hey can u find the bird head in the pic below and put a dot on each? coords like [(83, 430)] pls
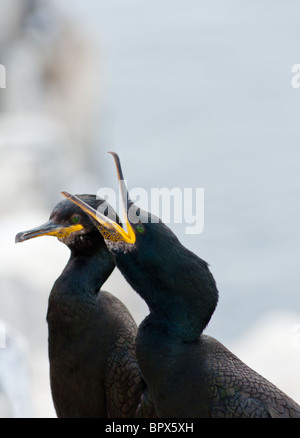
[(135, 218), (68, 222)]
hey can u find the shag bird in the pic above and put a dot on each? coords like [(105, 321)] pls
[(188, 374), (93, 366)]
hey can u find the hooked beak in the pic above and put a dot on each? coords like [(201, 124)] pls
[(48, 229), (109, 229)]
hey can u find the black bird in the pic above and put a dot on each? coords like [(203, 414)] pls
[(188, 374), (93, 367)]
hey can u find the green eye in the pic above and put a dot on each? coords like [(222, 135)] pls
[(75, 219), (140, 228)]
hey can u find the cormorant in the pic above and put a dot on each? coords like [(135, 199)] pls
[(188, 374), (93, 367)]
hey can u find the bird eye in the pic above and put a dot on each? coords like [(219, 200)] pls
[(75, 219), (140, 228)]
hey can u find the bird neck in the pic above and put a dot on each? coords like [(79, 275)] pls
[(74, 297), (86, 271), (181, 292), (179, 318), (89, 270)]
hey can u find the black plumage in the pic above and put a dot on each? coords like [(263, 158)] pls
[(93, 367), (189, 374)]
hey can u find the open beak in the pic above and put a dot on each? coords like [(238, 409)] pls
[(109, 229), (48, 229)]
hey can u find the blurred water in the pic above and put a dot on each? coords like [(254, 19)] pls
[(193, 94)]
